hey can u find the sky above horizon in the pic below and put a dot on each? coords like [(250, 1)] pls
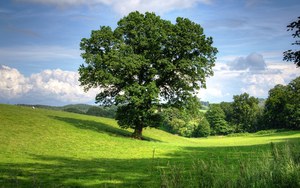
[(40, 56)]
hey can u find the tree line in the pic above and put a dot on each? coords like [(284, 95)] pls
[(281, 110)]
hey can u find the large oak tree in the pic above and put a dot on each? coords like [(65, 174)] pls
[(143, 62)]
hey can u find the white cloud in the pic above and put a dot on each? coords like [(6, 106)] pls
[(276, 73), (227, 82), (48, 86), (259, 84), (214, 91), (61, 85), (220, 86), (254, 61), (12, 83), (124, 7)]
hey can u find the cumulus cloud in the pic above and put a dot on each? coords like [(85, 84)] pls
[(227, 81), (276, 73), (221, 86), (124, 7), (214, 91), (254, 61), (12, 83), (57, 86), (259, 84)]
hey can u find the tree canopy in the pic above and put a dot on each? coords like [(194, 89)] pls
[(245, 111), (282, 108), (216, 118), (294, 55), (146, 61)]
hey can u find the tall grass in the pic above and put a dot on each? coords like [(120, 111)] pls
[(279, 168)]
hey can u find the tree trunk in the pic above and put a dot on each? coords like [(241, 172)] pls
[(137, 134)]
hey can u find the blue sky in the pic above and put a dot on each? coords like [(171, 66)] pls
[(39, 44)]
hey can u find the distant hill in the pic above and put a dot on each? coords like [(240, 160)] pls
[(80, 109), (42, 106)]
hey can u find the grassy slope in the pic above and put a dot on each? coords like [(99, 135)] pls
[(52, 148)]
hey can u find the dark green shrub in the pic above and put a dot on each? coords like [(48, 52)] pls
[(216, 118), (203, 129), (102, 111)]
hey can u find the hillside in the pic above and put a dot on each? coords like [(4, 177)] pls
[(47, 148), (80, 107), (87, 109)]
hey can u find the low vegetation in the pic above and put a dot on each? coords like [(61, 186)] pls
[(45, 148), (278, 168)]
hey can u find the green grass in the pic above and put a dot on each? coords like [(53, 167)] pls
[(44, 148)]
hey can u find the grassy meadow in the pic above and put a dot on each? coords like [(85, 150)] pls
[(45, 148)]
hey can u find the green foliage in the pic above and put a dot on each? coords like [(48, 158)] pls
[(170, 115), (178, 125), (293, 104), (102, 111), (178, 121), (187, 121), (203, 129), (216, 118), (282, 108), (144, 61), (275, 105), (245, 112), (73, 110), (291, 55), (228, 110), (81, 107)]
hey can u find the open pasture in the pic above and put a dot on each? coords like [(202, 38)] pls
[(44, 148)]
